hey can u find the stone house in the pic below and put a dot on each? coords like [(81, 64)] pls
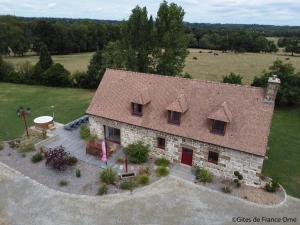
[(222, 127)]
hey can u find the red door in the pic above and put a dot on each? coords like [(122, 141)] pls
[(187, 156)]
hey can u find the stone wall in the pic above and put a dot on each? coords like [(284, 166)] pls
[(229, 160)]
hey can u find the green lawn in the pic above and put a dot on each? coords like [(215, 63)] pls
[(69, 104), (284, 152), (284, 142)]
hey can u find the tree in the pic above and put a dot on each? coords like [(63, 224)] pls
[(289, 91), (4, 39), (138, 40), (19, 41), (293, 46), (45, 58), (233, 78), (7, 72), (56, 75), (171, 40), (114, 56), (95, 70)]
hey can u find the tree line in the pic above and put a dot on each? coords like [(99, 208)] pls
[(145, 45), (232, 40), (18, 36), (291, 44), (62, 36)]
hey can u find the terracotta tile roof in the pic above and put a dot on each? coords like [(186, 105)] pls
[(142, 97), (179, 105), (249, 125), (222, 113)]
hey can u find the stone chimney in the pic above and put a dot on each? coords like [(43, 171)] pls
[(272, 88)]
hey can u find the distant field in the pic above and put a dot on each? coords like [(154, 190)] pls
[(207, 66), (72, 62)]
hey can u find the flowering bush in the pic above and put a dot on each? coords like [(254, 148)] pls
[(58, 158)]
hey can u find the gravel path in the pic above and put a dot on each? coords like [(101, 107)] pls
[(23, 201), (87, 184)]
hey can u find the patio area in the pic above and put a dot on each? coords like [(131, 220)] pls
[(73, 143)]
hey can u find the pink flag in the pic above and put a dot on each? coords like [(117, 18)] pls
[(104, 159)]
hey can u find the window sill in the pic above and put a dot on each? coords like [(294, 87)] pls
[(217, 133), (213, 162), (137, 115), (174, 123)]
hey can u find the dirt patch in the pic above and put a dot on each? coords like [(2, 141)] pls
[(250, 193), (259, 195)]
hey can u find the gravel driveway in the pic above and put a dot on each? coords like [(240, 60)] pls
[(169, 201)]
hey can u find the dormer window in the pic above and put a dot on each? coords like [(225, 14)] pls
[(177, 108), (218, 127), (137, 109), (220, 117), (174, 117), (140, 100)]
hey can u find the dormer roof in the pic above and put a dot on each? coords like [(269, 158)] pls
[(142, 97), (179, 105), (221, 113)]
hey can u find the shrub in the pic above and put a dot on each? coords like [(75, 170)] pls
[(108, 176), (85, 132), (162, 162), (137, 152), (195, 58), (226, 189), (72, 160), (1, 145), (25, 71), (233, 78), (14, 143), (58, 158), (102, 190), (26, 146), (63, 183), (162, 171), (78, 173), (145, 171), (37, 157), (56, 75), (238, 180), (205, 176), (128, 185), (143, 179), (80, 79), (120, 160), (272, 186)]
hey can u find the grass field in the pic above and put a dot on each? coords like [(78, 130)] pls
[(207, 66), (284, 152), (69, 104), (284, 142), (72, 62)]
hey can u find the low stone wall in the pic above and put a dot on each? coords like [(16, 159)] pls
[(229, 160)]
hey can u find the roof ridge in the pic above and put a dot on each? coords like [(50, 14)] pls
[(183, 78)]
